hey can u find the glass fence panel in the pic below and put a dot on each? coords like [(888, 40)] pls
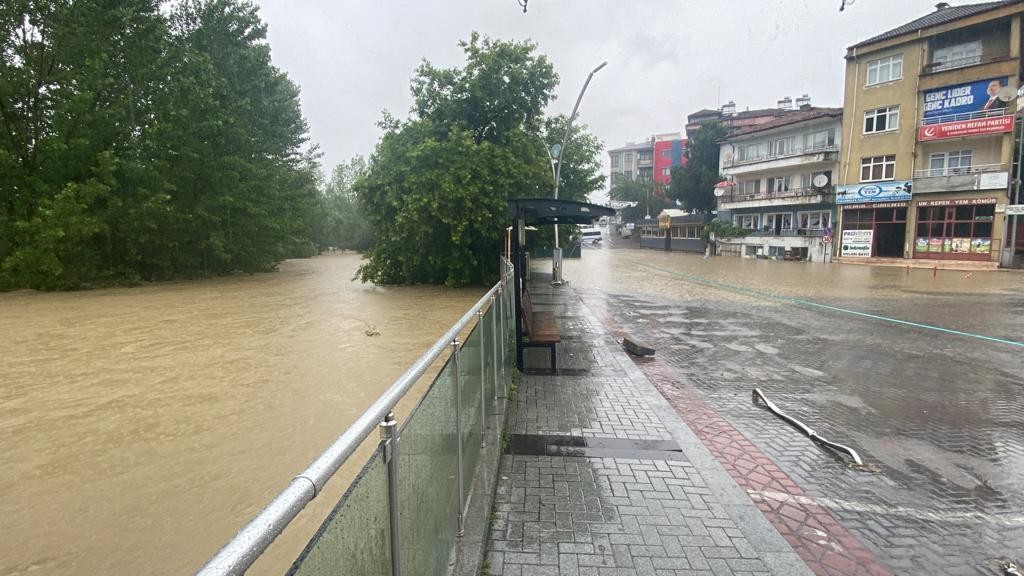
[(354, 539), (469, 378), (428, 485), (489, 332)]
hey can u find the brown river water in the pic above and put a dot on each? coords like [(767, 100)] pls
[(140, 428)]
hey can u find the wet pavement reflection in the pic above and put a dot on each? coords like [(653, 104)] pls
[(938, 417)]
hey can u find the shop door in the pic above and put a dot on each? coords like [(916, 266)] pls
[(889, 238)]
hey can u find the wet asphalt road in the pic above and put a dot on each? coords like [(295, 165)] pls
[(937, 416)]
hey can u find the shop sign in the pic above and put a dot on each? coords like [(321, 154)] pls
[(1015, 210), (957, 202), (976, 96), (877, 192), (857, 243), (953, 245), (993, 125), (876, 205)]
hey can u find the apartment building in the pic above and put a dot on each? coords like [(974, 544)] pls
[(733, 119), (929, 119), (782, 185), (651, 159)]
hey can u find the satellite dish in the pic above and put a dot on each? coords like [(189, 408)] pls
[(820, 181), (555, 149), (1006, 93), (719, 192)]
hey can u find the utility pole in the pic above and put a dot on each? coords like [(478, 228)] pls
[(556, 256)]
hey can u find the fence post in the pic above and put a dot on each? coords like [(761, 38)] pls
[(389, 445), (494, 341), (458, 433), (483, 375)]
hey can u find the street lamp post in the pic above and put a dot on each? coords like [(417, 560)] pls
[(556, 256)]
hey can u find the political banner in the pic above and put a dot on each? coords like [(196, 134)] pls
[(965, 98)]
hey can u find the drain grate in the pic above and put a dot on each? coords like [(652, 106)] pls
[(556, 445)]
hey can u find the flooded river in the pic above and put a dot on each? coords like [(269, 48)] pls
[(141, 427)]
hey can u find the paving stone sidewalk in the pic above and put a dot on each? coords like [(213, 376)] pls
[(601, 477)]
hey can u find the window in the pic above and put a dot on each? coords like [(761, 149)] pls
[(776, 223), (817, 220), (628, 158), (616, 159), (820, 140), (748, 221), (666, 171), (778, 184), (950, 163), (678, 232), (665, 152), (643, 156), (749, 187), (955, 229), (885, 69), (808, 178), (882, 119), (781, 147), (958, 56), (751, 152), (878, 168), (628, 174)]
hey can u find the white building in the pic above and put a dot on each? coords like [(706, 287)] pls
[(783, 174)]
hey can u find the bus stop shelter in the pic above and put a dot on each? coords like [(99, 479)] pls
[(541, 212)]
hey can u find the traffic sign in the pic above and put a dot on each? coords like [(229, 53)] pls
[(826, 239)]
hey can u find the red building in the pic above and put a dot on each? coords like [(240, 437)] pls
[(669, 151)]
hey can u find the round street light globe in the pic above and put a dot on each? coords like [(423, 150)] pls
[(555, 149)]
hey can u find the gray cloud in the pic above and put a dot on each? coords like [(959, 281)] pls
[(666, 58)]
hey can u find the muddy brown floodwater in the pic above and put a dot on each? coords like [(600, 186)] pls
[(140, 428)]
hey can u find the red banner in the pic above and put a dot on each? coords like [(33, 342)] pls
[(992, 125)]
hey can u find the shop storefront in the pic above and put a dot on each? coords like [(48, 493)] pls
[(955, 229), (873, 220)]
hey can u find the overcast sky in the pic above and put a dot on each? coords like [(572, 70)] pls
[(666, 58)]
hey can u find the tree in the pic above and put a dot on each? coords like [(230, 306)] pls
[(436, 189), (338, 222), (694, 183), (650, 199), (143, 143)]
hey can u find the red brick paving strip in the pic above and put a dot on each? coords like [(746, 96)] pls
[(825, 545)]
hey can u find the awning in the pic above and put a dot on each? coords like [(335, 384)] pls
[(544, 211)]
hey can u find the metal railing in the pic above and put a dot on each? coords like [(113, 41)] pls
[(953, 64), (406, 506), (959, 170), (995, 112), (790, 153), (791, 193), (789, 232)]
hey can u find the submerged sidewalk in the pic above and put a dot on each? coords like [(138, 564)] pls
[(601, 477)]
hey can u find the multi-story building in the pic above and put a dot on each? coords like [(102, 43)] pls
[(651, 159), (928, 115), (732, 118), (781, 174)]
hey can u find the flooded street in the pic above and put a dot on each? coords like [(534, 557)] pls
[(141, 427), (922, 375)]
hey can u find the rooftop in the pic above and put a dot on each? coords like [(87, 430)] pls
[(791, 117), (942, 15)]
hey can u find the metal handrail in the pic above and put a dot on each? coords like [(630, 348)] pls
[(792, 152), (791, 193), (251, 541), (958, 171), (993, 113)]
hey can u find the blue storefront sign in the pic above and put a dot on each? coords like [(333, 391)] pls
[(964, 98), (878, 192)]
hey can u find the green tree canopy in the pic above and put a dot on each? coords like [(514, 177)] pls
[(436, 189), (141, 142), (650, 199), (694, 183), (337, 221)]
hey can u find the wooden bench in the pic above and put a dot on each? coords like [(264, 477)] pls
[(540, 327)]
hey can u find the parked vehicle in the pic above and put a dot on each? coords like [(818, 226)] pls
[(590, 235)]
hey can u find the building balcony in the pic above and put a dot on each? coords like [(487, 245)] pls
[(942, 66), (980, 177), (644, 162), (793, 196), (797, 157), (982, 123)]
